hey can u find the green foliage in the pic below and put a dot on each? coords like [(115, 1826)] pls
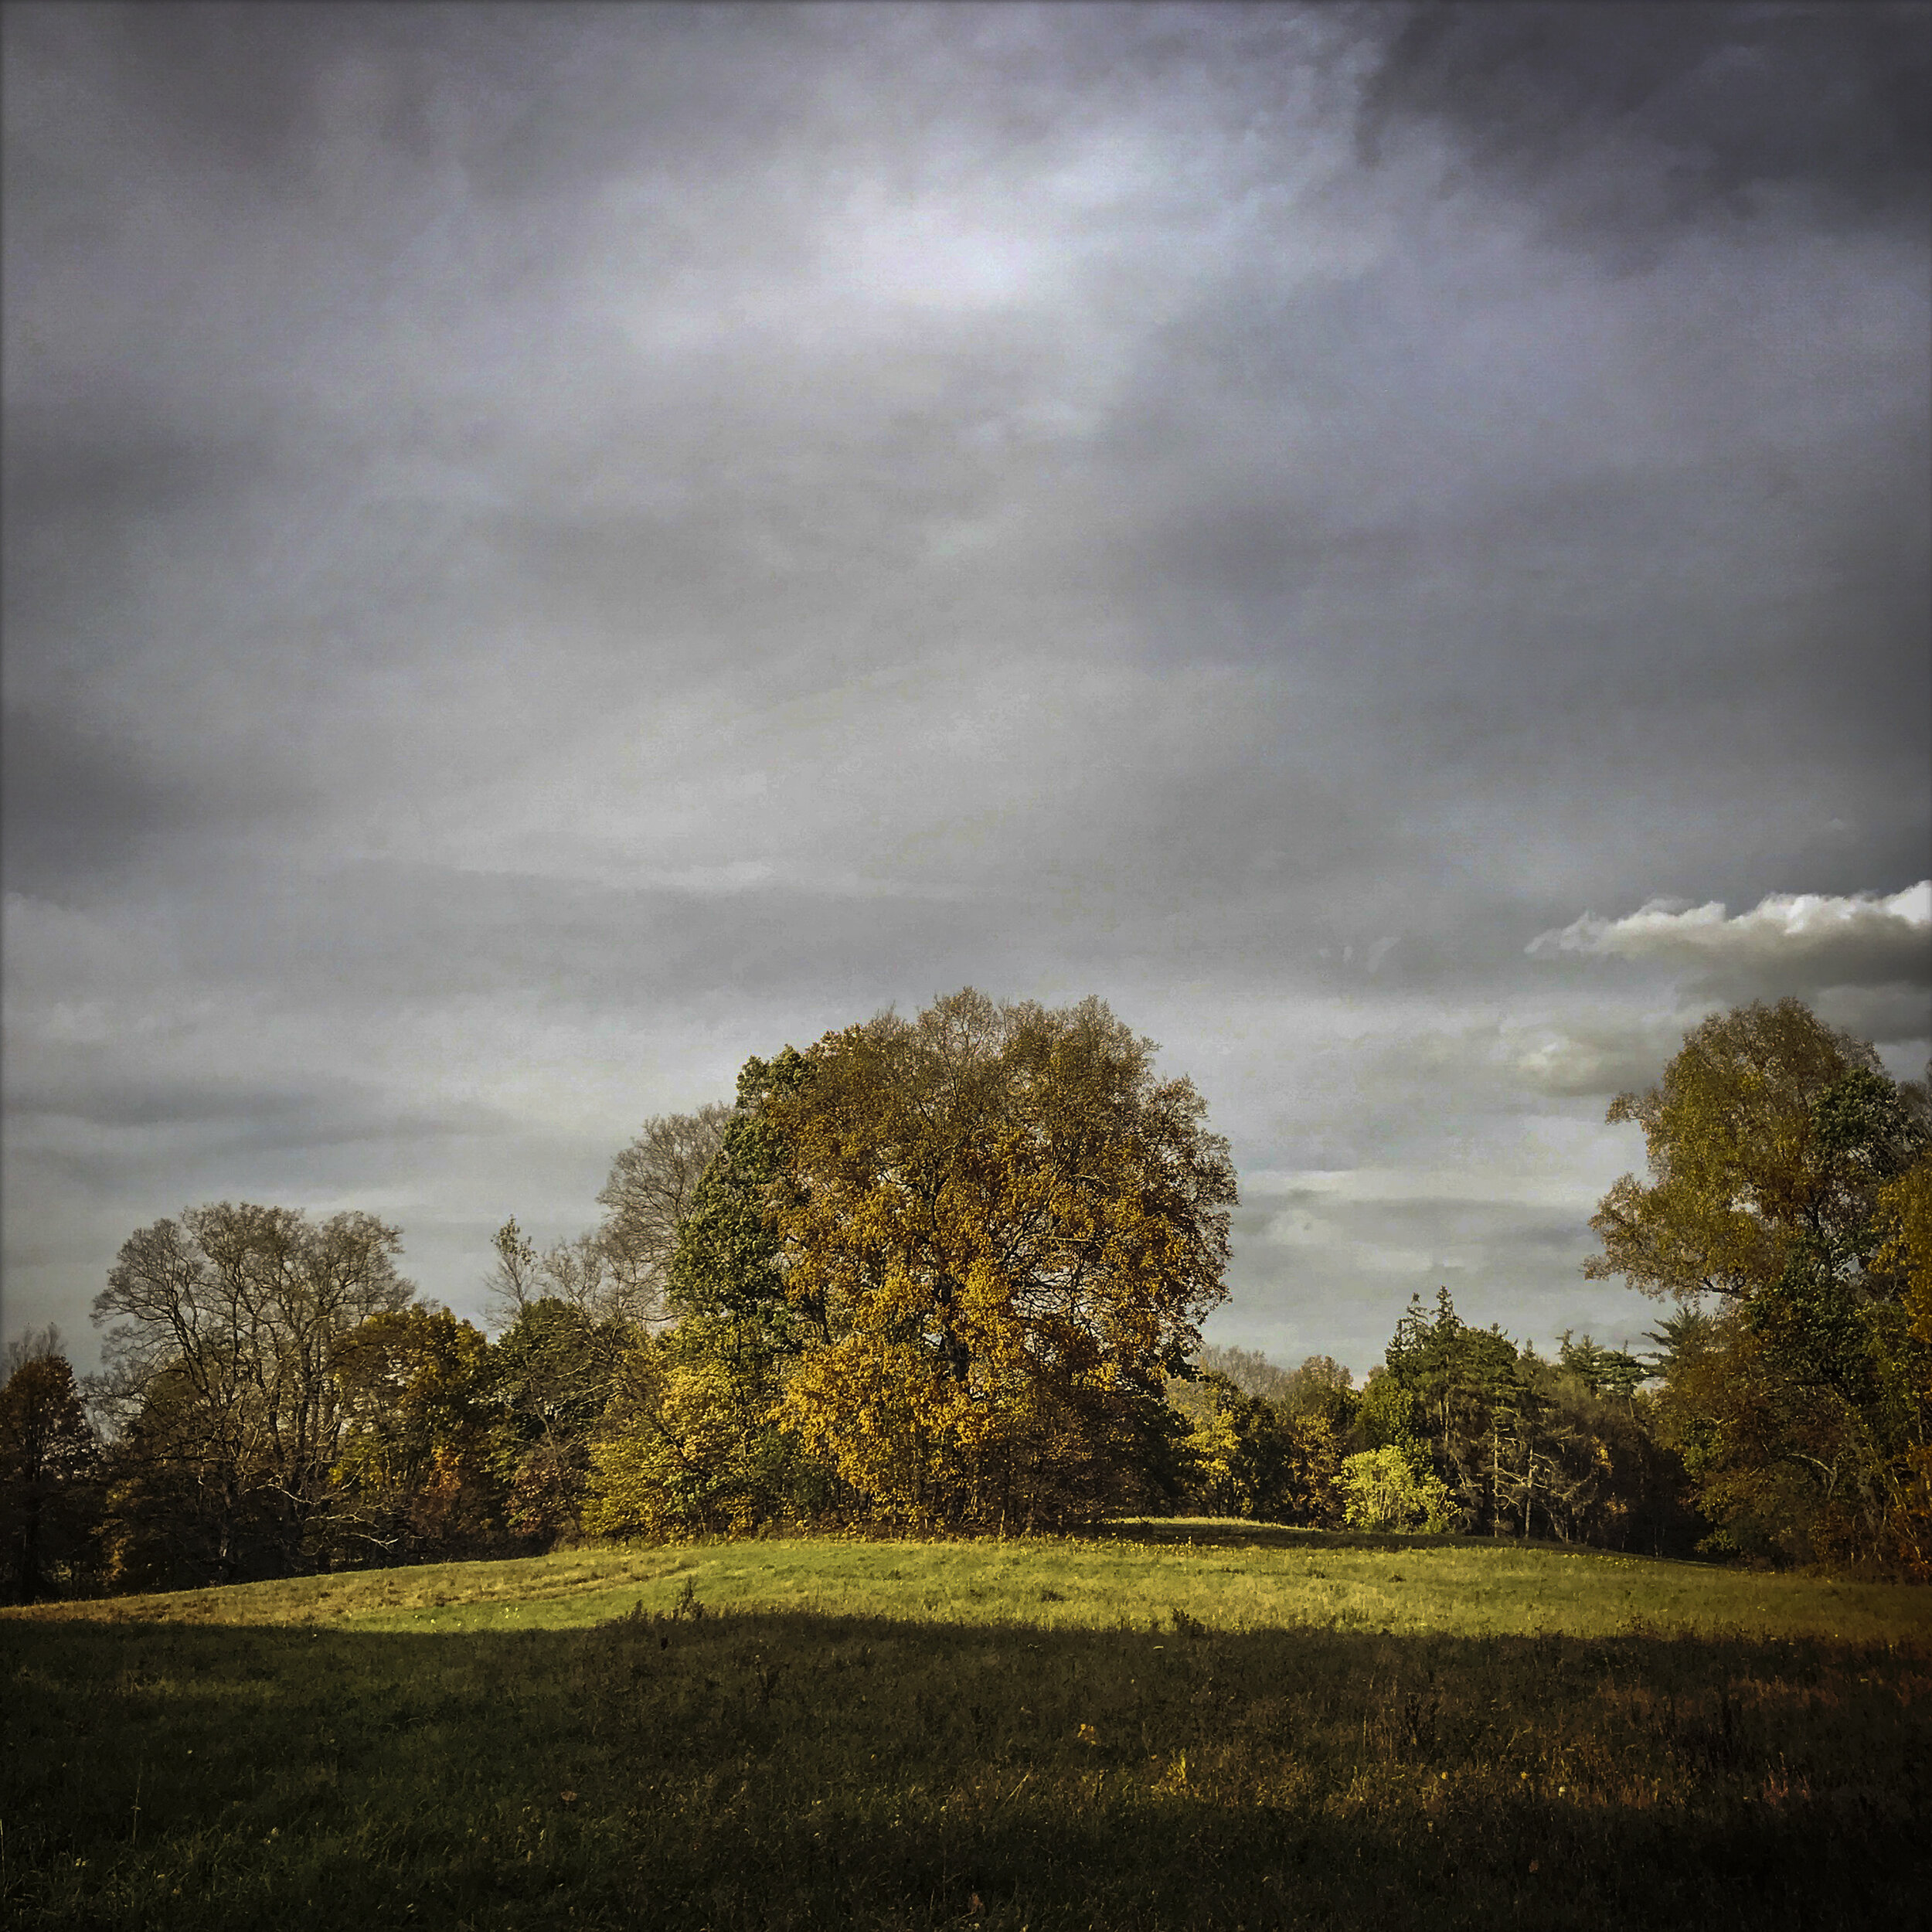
[(1610, 1372), (726, 1267), (50, 1499), (1321, 1387), (1383, 1489), (1781, 1156), (421, 1470), (1249, 1458), (1770, 1135), (1523, 1446), (551, 1375), (1391, 1414), (688, 1447), (689, 1444)]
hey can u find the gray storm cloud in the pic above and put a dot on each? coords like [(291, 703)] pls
[(545, 551)]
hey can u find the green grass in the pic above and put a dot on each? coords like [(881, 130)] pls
[(1173, 1725)]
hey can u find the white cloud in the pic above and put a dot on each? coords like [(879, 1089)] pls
[(1789, 942)]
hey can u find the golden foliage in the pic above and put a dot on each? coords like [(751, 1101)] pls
[(680, 1450), (997, 1225), (1905, 1212)]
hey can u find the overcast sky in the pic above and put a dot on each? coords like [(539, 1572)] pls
[(549, 550)]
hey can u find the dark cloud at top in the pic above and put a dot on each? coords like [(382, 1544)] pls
[(1646, 114), (545, 550)]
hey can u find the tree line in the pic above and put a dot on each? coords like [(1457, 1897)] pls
[(948, 1273)]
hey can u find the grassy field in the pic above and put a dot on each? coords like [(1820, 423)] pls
[(1169, 1725)]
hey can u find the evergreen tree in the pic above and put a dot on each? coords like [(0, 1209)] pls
[(49, 1469)]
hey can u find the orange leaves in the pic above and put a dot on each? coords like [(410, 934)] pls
[(1007, 1221)]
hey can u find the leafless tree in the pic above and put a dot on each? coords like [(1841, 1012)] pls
[(653, 1183), (616, 1271), (226, 1324)]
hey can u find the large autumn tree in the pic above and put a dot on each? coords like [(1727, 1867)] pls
[(997, 1225), (1783, 1163)]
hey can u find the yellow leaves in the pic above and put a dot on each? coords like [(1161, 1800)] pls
[(1905, 1213), (1004, 1222)]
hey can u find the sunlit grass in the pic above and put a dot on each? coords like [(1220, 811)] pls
[(1254, 1728), (1230, 1576)]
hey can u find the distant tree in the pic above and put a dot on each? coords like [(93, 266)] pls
[(619, 1272), (1249, 1456), (221, 1380), (1465, 1402), (584, 1272), (1601, 1473), (1390, 1415), (1311, 1466), (1250, 1371), (37, 1345), (50, 1466), (653, 1186), (1321, 1386), (1602, 1371), (1523, 1446), (422, 1471), (1781, 1154), (518, 1279), (551, 1375), (997, 1228), (1678, 1336)]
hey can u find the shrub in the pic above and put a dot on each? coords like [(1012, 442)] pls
[(1382, 1489)]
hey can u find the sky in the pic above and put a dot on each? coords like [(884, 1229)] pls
[(548, 550)]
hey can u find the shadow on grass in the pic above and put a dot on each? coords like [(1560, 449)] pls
[(761, 1769)]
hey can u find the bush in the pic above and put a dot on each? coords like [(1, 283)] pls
[(1382, 1489)]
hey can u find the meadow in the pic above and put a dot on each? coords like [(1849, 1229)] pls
[(1163, 1725)]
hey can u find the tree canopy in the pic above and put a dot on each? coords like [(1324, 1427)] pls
[(50, 1460), (221, 1353), (949, 1272), (1786, 1210), (1770, 1134), (998, 1227)]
